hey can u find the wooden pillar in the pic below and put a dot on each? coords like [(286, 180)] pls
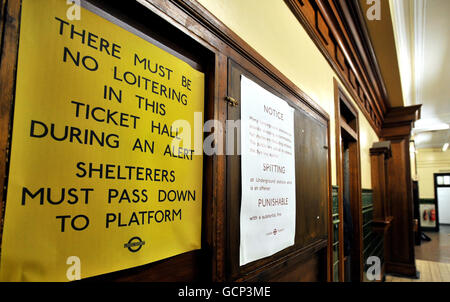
[(379, 155), (382, 218), (400, 241)]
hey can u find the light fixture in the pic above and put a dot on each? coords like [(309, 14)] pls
[(444, 148)]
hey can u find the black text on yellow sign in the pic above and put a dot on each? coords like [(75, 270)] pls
[(98, 171)]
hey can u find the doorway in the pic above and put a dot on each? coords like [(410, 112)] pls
[(442, 193), (349, 187)]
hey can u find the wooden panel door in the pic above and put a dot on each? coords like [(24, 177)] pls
[(306, 259)]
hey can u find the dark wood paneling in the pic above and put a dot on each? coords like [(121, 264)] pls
[(8, 62), (399, 250), (339, 31), (233, 181), (187, 267), (2, 19), (400, 239), (401, 254), (349, 132), (339, 177), (312, 193), (219, 179), (382, 218), (356, 209), (308, 269), (311, 179), (379, 174), (334, 237), (373, 242), (416, 204)]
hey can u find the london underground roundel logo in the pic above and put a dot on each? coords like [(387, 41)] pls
[(134, 244)]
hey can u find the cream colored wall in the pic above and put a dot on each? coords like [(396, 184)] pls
[(430, 161), (367, 137), (273, 31)]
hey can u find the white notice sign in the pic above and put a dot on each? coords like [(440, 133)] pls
[(268, 173)]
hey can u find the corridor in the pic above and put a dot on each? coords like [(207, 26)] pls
[(225, 141), (432, 258)]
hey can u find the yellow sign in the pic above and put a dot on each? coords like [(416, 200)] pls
[(101, 177)]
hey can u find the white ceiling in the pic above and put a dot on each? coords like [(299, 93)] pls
[(431, 139), (423, 42)]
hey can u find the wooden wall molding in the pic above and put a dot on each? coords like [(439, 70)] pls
[(339, 31), (343, 131), (379, 154), (399, 122), (8, 62), (382, 218), (337, 27)]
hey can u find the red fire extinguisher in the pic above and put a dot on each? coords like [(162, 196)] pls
[(433, 215)]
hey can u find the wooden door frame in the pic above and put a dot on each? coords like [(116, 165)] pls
[(355, 183), (436, 206)]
